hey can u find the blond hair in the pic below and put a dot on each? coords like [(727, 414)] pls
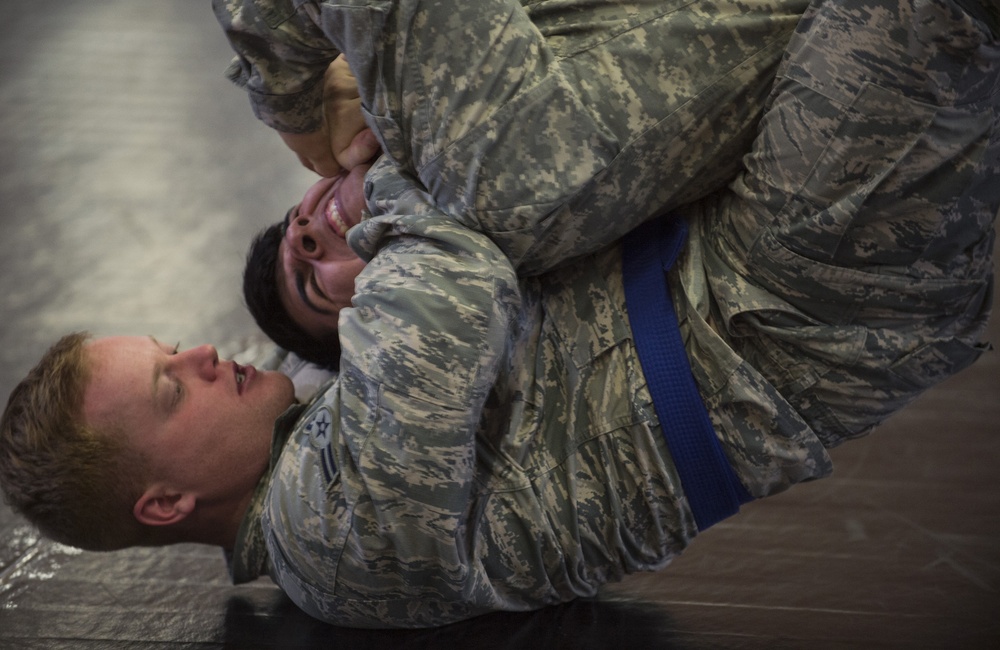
[(76, 484)]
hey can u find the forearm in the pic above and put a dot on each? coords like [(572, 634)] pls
[(557, 128), (281, 58), (423, 343)]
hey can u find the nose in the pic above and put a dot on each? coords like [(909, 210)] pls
[(302, 240), (203, 360)]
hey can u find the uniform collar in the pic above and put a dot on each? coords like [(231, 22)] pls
[(248, 560)]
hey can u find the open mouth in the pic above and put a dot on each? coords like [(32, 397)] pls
[(334, 218), (243, 376)]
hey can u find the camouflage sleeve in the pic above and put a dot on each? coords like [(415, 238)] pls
[(281, 56), (851, 263), (383, 539), (558, 126)]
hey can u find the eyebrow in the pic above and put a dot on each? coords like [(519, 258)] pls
[(300, 286), (157, 374)]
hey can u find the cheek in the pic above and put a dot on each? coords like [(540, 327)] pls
[(353, 193), (317, 326), (350, 275), (338, 280)]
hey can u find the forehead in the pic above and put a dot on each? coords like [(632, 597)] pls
[(113, 356), (284, 277), (283, 269), (121, 371)]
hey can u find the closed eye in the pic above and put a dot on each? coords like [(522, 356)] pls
[(300, 286), (315, 287)]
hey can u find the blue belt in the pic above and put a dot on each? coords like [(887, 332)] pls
[(710, 485)]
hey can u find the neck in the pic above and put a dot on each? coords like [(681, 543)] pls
[(213, 523)]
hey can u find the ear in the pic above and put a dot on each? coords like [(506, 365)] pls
[(159, 506)]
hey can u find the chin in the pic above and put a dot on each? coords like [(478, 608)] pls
[(286, 390), (274, 391)]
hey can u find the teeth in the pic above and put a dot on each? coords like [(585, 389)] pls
[(333, 215), (240, 377)]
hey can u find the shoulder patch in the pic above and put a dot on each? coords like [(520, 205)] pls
[(319, 428)]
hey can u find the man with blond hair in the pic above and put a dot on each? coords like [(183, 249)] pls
[(80, 459), (56, 466)]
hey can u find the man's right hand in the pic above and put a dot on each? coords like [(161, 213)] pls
[(351, 141)]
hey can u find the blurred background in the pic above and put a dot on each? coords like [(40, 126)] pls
[(132, 177)]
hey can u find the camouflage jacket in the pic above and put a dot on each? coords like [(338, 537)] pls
[(490, 442), (550, 129)]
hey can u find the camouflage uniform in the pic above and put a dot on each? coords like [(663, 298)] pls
[(555, 127), (491, 443)]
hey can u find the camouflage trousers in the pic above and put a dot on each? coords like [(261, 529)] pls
[(851, 261), (555, 127)]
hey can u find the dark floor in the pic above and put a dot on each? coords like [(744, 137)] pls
[(132, 178)]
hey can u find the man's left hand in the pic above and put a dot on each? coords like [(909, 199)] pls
[(345, 140)]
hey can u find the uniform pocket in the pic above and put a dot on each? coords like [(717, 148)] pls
[(839, 171), (934, 362)]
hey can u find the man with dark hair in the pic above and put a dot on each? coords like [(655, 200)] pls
[(261, 293), (496, 441), (569, 126)]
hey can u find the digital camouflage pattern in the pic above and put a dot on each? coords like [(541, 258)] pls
[(553, 129), (490, 443)]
